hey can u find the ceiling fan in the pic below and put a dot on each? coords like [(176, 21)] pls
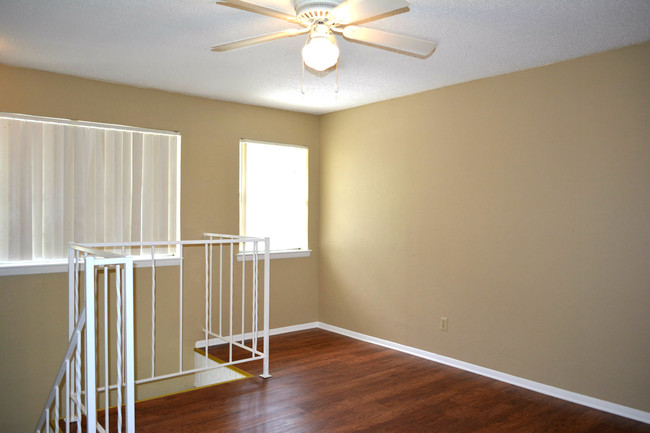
[(323, 18)]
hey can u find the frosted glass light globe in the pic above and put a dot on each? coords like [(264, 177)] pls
[(320, 52)]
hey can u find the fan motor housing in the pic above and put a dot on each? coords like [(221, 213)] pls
[(315, 10)]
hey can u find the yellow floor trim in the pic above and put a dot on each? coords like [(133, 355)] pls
[(215, 359), (246, 375)]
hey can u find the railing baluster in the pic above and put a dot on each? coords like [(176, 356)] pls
[(56, 409), (153, 312), (76, 305), (107, 394), (67, 396), (130, 347), (210, 300), (207, 304), (76, 288), (71, 283), (77, 400), (89, 349), (118, 304), (230, 314), (122, 280), (267, 302), (180, 315), (221, 289), (243, 292), (255, 294)]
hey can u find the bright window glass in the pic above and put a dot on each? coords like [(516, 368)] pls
[(274, 194)]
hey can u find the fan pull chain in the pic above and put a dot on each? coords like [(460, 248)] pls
[(336, 83), (303, 69)]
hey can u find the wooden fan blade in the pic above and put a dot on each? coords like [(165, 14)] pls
[(357, 11), (258, 39), (406, 44), (251, 7)]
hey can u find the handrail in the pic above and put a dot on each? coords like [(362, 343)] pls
[(75, 340), (84, 248), (225, 239)]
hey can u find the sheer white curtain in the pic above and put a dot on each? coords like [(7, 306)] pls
[(61, 182)]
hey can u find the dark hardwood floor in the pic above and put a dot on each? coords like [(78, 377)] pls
[(325, 382)]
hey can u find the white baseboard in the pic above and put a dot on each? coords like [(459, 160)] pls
[(294, 328), (552, 391)]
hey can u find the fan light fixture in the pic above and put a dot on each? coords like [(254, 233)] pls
[(320, 52), (321, 19)]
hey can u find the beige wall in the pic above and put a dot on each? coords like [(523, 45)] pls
[(33, 309), (517, 206)]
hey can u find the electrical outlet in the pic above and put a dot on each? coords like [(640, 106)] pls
[(444, 323)]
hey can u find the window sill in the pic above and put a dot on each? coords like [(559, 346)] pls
[(60, 266), (281, 254)]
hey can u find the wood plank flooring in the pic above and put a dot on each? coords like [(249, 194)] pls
[(325, 382)]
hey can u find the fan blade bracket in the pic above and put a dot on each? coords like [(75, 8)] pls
[(406, 44)]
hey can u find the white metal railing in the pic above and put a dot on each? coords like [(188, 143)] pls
[(75, 384), (71, 387), (99, 369)]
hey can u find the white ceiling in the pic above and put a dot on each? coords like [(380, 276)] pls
[(165, 44)]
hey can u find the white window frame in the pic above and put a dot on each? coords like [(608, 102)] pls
[(275, 254), (42, 266)]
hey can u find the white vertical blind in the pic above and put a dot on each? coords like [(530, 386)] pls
[(62, 182)]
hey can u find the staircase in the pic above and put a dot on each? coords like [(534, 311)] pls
[(99, 373)]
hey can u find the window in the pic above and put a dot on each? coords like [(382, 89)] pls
[(63, 181), (273, 196)]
